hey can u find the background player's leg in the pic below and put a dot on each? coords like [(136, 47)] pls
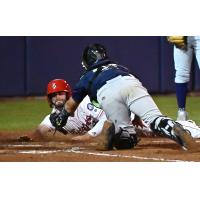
[(182, 61)]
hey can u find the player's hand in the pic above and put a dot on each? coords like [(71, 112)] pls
[(138, 122), (178, 41), (24, 138), (82, 138)]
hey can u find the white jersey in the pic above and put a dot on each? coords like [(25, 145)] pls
[(86, 119)]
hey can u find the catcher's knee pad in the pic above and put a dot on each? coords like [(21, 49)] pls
[(163, 126), (125, 140)]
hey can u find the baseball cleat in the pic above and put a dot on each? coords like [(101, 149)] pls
[(105, 140), (182, 115), (184, 138)]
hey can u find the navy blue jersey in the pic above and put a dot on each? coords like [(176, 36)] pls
[(90, 82)]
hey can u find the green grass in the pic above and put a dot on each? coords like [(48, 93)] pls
[(26, 114), (168, 106), (22, 114)]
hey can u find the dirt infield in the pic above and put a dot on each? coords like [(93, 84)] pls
[(60, 148)]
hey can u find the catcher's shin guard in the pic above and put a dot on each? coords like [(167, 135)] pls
[(169, 128), (163, 126), (125, 140), (105, 140)]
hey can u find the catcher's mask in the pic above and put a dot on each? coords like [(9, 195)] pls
[(92, 54), (57, 85)]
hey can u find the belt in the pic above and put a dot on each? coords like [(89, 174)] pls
[(117, 78)]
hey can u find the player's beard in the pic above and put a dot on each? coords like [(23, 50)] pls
[(59, 104)]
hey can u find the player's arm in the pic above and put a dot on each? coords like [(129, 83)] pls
[(97, 129), (40, 132), (71, 105), (83, 138), (37, 135)]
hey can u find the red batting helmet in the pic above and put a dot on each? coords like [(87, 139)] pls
[(58, 85)]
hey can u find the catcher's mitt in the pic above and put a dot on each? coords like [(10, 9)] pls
[(124, 140), (179, 41), (59, 120)]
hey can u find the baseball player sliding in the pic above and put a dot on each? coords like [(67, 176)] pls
[(86, 120), (119, 94)]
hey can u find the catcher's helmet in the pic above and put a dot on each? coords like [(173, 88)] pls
[(58, 85), (92, 54)]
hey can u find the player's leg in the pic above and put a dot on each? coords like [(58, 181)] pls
[(125, 135), (182, 61), (148, 111), (130, 95), (196, 45), (117, 112)]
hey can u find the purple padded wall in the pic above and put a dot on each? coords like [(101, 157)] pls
[(60, 57), (12, 81), (28, 63)]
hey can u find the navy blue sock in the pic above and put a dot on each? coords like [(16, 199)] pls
[(181, 92)]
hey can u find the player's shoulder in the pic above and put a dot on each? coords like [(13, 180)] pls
[(86, 103), (87, 106), (85, 100)]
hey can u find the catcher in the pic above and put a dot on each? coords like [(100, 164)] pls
[(116, 90), (185, 47)]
